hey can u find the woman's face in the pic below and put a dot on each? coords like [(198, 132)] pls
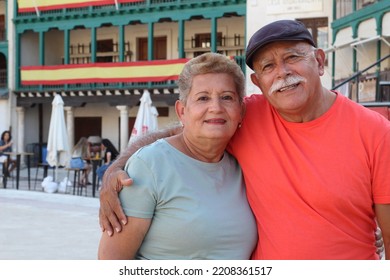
[(213, 108), (6, 137)]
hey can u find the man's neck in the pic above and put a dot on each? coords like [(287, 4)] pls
[(316, 110)]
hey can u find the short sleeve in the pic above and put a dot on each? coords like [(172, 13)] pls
[(381, 178), (139, 200)]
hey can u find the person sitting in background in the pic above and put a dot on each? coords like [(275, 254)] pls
[(6, 146), (188, 200), (109, 153), (80, 155)]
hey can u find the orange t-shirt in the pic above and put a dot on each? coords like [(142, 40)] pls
[(312, 185)]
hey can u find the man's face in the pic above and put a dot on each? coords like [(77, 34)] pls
[(288, 74)]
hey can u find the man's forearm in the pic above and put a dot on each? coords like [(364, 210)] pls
[(142, 141)]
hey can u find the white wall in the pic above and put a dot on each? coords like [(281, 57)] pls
[(4, 111), (54, 47), (29, 49)]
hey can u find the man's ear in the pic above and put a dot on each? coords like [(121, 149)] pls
[(320, 57), (254, 80)]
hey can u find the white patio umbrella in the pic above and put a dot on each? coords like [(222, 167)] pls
[(58, 152), (146, 120)]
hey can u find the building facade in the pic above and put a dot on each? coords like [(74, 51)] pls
[(102, 55), (360, 51)]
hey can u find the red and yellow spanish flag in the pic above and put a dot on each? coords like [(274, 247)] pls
[(142, 71), (28, 6)]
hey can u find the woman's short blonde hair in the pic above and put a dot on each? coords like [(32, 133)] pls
[(210, 63)]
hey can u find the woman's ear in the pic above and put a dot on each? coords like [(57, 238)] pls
[(179, 107)]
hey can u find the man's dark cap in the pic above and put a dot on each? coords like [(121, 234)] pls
[(281, 30)]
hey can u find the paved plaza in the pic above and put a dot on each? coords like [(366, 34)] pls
[(35, 225)]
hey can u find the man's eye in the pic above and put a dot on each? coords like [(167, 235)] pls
[(267, 67), (292, 58)]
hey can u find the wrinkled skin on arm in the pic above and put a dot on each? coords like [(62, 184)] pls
[(111, 215)]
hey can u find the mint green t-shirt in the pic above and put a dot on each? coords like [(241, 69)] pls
[(199, 210)]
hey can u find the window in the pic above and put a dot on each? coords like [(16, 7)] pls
[(343, 8), (2, 28), (102, 47), (318, 28), (203, 41), (159, 48)]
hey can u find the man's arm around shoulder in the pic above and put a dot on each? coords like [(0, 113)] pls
[(111, 215)]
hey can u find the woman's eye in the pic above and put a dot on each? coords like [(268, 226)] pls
[(202, 98), (227, 97)]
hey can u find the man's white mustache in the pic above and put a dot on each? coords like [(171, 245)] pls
[(289, 81)]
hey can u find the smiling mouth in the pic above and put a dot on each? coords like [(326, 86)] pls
[(288, 87), (216, 121)]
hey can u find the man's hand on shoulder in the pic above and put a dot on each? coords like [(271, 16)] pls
[(111, 215)]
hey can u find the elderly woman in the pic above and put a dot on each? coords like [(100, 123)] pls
[(188, 199)]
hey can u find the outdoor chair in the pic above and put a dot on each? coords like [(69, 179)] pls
[(77, 186), (5, 176)]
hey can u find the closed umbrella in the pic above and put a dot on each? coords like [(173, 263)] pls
[(58, 152), (146, 120)]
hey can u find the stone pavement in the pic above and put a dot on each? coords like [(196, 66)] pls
[(35, 225)]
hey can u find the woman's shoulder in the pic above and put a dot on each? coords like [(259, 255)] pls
[(151, 158), (153, 150)]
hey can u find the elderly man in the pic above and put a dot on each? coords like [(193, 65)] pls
[(315, 163)]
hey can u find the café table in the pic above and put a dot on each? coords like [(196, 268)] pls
[(18, 156)]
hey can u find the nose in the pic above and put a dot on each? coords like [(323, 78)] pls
[(216, 104), (283, 70)]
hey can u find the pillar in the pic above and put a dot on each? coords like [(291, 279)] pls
[(124, 126), (70, 125), (20, 111)]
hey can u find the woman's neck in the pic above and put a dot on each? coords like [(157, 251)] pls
[(206, 151)]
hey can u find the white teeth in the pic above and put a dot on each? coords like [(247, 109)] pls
[(287, 88)]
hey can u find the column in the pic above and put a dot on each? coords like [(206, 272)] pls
[(93, 44), (214, 27), (70, 125), (181, 36), (66, 46), (121, 43), (150, 41), (20, 119), (41, 48), (124, 126)]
